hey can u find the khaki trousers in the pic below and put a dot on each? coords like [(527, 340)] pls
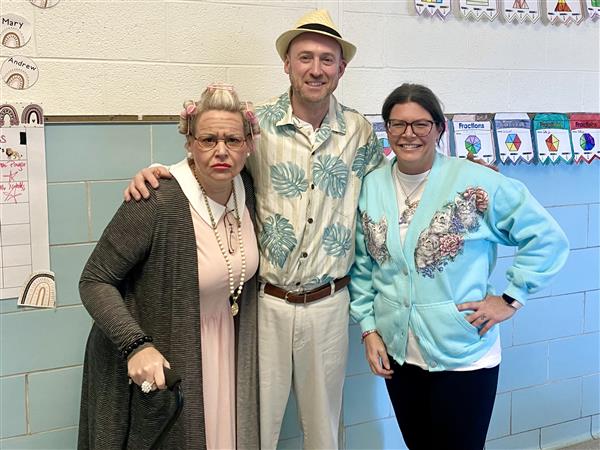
[(304, 347)]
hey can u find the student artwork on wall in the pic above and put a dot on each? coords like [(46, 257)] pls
[(479, 8), (441, 8), (19, 72), (513, 137), (24, 250), (521, 10), (473, 134), (585, 135), (593, 9), (15, 31), (552, 138), (563, 10)]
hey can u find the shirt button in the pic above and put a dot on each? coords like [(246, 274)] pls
[(405, 271), (312, 186), (304, 254), (433, 364), (297, 283), (310, 220)]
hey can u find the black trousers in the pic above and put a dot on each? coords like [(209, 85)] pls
[(442, 410)]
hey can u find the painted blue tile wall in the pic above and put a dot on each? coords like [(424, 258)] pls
[(566, 433), (12, 407), (549, 379), (544, 405)]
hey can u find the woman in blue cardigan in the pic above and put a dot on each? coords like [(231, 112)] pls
[(427, 233)]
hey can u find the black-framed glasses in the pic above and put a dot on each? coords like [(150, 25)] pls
[(208, 142), (420, 128)]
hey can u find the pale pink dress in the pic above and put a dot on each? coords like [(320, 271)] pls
[(216, 324)]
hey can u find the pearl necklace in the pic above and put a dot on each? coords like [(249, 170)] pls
[(234, 293)]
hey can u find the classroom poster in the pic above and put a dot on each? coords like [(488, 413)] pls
[(521, 10), (473, 134), (563, 10), (24, 250), (593, 9), (513, 137), (479, 8), (552, 138), (441, 8), (585, 135)]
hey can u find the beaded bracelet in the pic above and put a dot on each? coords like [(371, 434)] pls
[(135, 344), (365, 334)]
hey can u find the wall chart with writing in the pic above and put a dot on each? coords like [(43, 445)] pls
[(24, 251)]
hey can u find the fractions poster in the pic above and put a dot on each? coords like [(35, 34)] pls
[(473, 134), (552, 138), (513, 135), (585, 133)]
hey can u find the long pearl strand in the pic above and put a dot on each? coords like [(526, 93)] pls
[(234, 293)]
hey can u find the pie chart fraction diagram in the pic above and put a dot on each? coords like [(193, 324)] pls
[(473, 144), (587, 142), (552, 143), (513, 142)]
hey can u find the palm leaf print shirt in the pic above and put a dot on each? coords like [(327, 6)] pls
[(307, 184)]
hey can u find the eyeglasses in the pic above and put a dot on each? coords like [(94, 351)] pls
[(208, 142), (420, 128)]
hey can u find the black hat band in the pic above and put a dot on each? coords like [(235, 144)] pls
[(319, 27)]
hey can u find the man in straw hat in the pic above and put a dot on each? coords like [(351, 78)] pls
[(308, 171), (316, 152)]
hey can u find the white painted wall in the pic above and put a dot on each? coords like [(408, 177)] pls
[(146, 57)]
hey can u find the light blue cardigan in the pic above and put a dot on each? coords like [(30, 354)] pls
[(448, 255)]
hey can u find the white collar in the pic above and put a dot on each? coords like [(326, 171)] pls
[(189, 185)]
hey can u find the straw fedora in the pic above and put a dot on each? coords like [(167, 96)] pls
[(317, 21)]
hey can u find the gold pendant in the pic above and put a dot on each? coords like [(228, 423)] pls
[(234, 309)]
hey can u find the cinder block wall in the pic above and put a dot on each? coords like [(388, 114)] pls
[(146, 56), (129, 57)]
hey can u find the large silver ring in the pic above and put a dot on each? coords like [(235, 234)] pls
[(146, 387)]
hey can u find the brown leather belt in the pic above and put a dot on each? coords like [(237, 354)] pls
[(307, 296)]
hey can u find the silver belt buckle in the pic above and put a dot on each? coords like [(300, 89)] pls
[(299, 291)]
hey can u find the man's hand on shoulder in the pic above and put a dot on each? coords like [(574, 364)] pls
[(137, 188), (481, 162)]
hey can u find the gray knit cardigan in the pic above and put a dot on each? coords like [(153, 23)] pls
[(142, 279)]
